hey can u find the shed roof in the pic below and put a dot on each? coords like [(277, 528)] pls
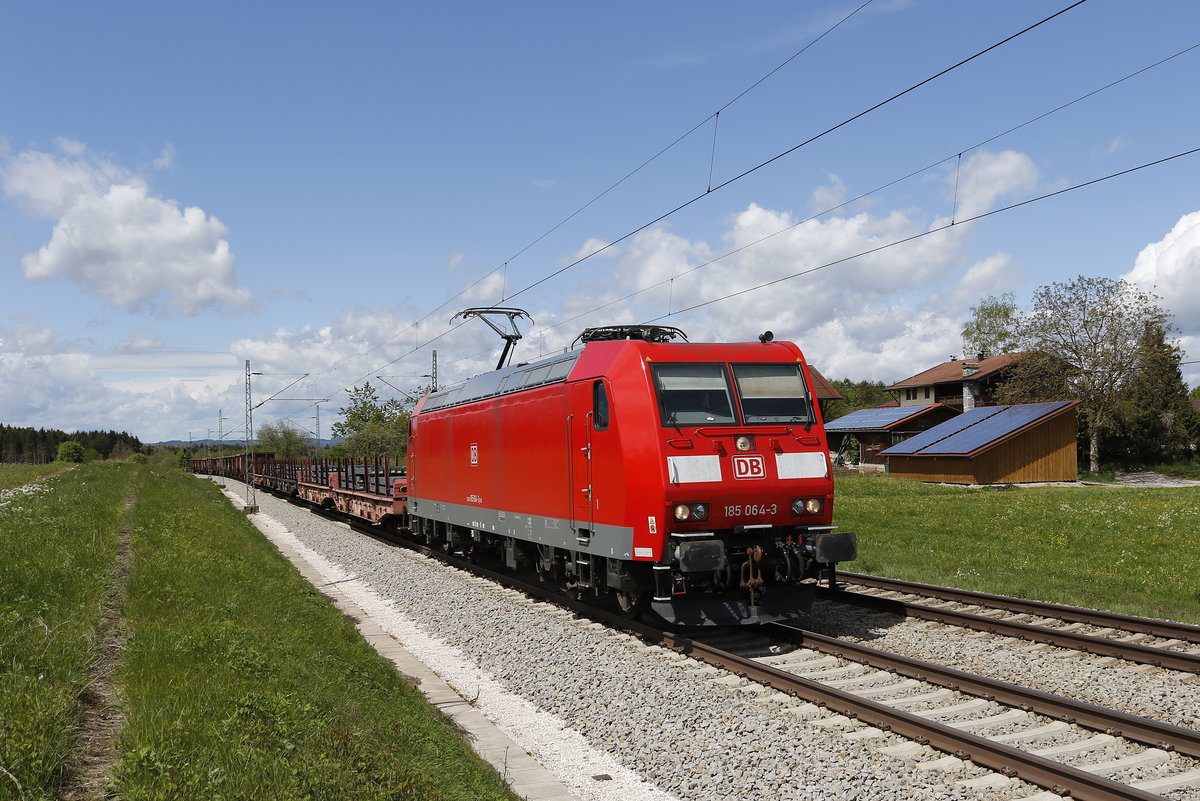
[(881, 418), (951, 372), (978, 430)]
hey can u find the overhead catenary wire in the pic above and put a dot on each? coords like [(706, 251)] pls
[(930, 232), (880, 188), (907, 176), (419, 346), (923, 234), (504, 265), (793, 149)]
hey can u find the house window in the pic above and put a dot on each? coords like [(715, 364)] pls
[(926, 393), (910, 394)]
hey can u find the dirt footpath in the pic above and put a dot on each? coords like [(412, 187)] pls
[(1153, 480)]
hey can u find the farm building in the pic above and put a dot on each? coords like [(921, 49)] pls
[(961, 383), (879, 428), (993, 445)]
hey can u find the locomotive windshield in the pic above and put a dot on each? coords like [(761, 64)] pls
[(772, 393), (693, 394)]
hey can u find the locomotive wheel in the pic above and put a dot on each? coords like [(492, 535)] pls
[(631, 604)]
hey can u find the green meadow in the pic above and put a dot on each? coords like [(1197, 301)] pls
[(236, 678), (1125, 549)]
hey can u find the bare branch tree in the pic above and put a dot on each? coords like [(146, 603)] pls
[(1093, 325)]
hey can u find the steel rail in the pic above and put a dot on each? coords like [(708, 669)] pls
[(1004, 759), (1100, 646), (1110, 721), (1001, 758), (1075, 614)]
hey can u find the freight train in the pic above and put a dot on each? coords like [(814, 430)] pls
[(687, 479)]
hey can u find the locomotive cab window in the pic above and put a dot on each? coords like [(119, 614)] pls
[(772, 393), (693, 394), (599, 407)]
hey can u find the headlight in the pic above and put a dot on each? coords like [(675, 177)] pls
[(691, 511), (743, 443), (807, 506)]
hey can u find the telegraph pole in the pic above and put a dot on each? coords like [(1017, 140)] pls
[(251, 505)]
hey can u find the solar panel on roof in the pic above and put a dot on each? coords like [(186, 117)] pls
[(972, 430), (873, 418), (940, 432), (1011, 419)]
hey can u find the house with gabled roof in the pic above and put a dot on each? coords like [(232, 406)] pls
[(960, 383)]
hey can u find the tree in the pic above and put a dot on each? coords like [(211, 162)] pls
[(858, 395), (992, 327), (70, 451), (1094, 325), (284, 440), (372, 428), (1156, 422)]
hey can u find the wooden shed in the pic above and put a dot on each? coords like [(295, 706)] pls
[(1025, 443)]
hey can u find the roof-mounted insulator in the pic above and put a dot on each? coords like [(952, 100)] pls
[(645, 333)]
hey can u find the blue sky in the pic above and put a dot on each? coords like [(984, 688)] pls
[(188, 187)]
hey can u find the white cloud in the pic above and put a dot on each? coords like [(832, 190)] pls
[(140, 341), (166, 159), (1169, 268), (597, 246), (829, 196), (884, 315), (126, 246), (986, 177), (26, 336)]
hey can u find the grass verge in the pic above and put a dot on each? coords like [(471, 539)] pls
[(242, 682), (1129, 550), (58, 545), (14, 475)]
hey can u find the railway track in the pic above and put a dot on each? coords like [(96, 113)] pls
[(954, 711), (881, 695), (1165, 644), (1058, 744)]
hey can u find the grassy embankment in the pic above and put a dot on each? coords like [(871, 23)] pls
[(58, 547), (14, 475), (239, 680), (1129, 550)]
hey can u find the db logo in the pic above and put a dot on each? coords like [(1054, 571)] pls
[(474, 454), (749, 467)]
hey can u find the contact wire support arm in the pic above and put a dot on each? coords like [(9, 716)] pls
[(509, 334)]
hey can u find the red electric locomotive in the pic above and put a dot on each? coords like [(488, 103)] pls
[(690, 478)]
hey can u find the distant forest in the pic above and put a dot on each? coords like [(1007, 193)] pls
[(39, 445)]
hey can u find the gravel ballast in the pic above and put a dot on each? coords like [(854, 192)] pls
[(611, 717)]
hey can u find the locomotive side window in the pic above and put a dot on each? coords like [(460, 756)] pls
[(772, 393), (693, 394), (599, 407)]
